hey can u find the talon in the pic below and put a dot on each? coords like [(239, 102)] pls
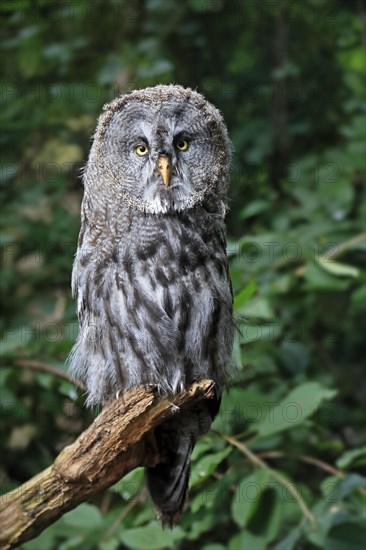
[(174, 408)]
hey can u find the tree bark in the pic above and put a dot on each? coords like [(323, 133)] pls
[(119, 440)]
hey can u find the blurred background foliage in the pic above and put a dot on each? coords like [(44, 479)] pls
[(283, 466)]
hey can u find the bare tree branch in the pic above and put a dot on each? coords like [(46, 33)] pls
[(42, 367), (118, 441)]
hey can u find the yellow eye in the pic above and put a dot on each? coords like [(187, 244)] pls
[(182, 144), (142, 150)]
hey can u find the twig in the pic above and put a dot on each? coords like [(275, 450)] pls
[(125, 511), (322, 465), (258, 462), (309, 459), (337, 251), (42, 367), (334, 253)]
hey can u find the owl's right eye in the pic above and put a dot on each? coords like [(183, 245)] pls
[(142, 150)]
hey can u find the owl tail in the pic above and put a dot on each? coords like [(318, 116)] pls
[(175, 439), (168, 482)]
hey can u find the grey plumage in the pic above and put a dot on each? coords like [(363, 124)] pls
[(150, 275)]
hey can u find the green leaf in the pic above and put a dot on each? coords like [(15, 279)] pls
[(259, 308), (359, 295), (349, 484), (294, 355), (247, 496), (155, 69), (268, 517), (15, 339), (339, 269), (355, 455), (346, 536), (203, 445), (254, 208), (289, 542), (246, 540), (84, 516), (46, 539), (110, 544), (206, 466), (294, 409), (244, 295), (152, 536), (317, 278), (239, 407)]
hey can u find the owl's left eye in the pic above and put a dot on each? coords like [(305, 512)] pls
[(182, 144), (142, 150)]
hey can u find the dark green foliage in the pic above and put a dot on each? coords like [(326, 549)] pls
[(287, 445)]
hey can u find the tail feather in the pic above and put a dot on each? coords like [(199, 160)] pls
[(168, 481)]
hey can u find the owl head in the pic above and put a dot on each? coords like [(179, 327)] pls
[(160, 150)]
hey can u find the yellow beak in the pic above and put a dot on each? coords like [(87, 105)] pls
[(164, 169)]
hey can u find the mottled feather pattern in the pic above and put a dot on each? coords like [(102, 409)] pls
[(153, 304), (150, 274)]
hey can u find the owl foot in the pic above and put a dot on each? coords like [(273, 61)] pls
[(173, 408)]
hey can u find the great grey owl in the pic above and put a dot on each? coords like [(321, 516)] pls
[(150, 275)]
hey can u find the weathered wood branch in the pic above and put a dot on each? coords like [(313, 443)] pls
[(118, 441)]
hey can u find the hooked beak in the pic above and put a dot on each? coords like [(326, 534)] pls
[(164, 169)]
